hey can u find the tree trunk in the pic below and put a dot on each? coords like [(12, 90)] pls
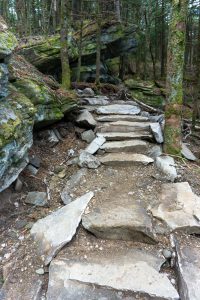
[(162, 67), (98, 37), (174, 84), (66, 82), (118, 10)]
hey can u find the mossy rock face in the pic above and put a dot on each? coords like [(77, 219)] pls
[(42, 91), (8, 41), (116, 40), (146, 91), (16, 127)]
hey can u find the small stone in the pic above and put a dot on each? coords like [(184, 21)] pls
[(88, 92), (187, 153), (95, 145), (88, 136), (62, 174), (18, 185), (40, 271), (88, 160), (32, 169), (35, 161), (166, 165), (37, 198), (157, 132), (19, 224), (167, 253)]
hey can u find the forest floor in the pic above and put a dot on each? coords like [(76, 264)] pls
[(19, 261)]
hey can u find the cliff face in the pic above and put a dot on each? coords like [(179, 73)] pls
[(116, 40), (27, 98)]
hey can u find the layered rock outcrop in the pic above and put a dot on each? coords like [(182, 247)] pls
[(27, 98)]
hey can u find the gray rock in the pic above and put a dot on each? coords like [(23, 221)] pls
[(123, 159), (188, 266), (52, 138), (187, 153), (155, 151), (120, 219), (124, 126), (71, 184), (57, 229), (158, 119), (145, 114), (89, 92), (3, 80), (95, 145), (108, 278), (88, 136), (37, 198), (87, 160), (18, 185), (33, 170), (40, 271), (115, 118), (157, 132), (166, 165), (86, 120), (179, 208), (167, 253), (136, 146), (118, 109), (35, 161), (100, 100), (121, 136)]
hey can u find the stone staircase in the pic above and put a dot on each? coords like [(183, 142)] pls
[(134, 227)]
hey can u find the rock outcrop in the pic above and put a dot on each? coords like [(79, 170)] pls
[(27, 98), (115, 38)]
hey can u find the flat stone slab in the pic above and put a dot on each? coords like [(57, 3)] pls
[(136, 146), (121, 136), (187, 153), (188, 266), (110, 277), (123, 159), (57, 229), (166, 165), (97, 100), (95, 145), (115, 118), (179, 208), (117, 109), (120, 219), (86, 120), (124, 126)]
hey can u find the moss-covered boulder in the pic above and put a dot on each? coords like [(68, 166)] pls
[(50, 102), (8, 41), (146, 91), (116, 40), (16, 126), (30, 99)]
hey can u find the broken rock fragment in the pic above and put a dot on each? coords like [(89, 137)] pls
[(57, 229)]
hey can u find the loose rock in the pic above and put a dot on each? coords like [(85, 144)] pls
[(88, 136), (187, 153), (57, 229), (157, 132), (37, 198), (86, 120), (87, 160), (166, 165), (95, 145)]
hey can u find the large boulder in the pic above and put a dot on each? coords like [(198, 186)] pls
[(116, 40), (31, 99)]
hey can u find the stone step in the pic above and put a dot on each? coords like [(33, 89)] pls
[(124, 126), (124, 159), (136, 146), (120, 218), (179, 208), (117, 109), (114, 118), (110, 276), (122, 136)]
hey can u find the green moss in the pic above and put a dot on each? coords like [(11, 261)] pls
[(171, 135), (8, 42)]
